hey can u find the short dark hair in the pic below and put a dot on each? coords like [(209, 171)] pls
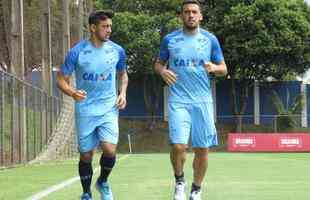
[(185, 2), (100, 15)]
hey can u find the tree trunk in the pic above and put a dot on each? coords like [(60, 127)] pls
[(243, 105), (152, 94), (46, 47), (17, 66), (148, 101), (157, 92), (239, 109), (65, 28), (5, 31), (81, 21)]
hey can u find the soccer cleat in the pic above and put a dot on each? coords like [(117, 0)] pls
[(179, 193), (105, 191), (86, 196), (196, 195)]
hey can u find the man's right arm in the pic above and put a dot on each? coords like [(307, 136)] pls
[(63, 83), (161, 64), (168, 76)]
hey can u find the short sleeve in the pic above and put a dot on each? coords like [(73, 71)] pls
[(68, 67), (163, 51), (121, 64), (216, 53)]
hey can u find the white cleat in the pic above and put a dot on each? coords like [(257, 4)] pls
[(196, 195), (179, 193)]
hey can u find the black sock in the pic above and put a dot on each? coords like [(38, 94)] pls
[(195, 188), (179, 179), (106, 164), (86, 174)]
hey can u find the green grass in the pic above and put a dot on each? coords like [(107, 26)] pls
[(231, 176)]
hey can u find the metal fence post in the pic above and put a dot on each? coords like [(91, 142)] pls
[(34, 124), (27, 123), (14, 129), (275, 123), (40, 110)]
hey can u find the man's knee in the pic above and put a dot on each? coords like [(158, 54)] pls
[(201, 152), (86, 157), (179, 148), (109, 150)]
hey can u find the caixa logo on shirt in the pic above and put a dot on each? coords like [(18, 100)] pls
[(188, 62), (96, 77)]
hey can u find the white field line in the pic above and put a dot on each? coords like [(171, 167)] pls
[(62, 185)]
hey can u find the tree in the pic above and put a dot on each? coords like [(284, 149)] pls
[(261, 38), (142, 46)]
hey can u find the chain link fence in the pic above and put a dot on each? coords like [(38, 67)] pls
[(23, 135), (49, 119), (35, 124)]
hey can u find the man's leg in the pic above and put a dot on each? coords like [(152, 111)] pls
[(179, 131), (88, 141), (203, 137), (200, 165), (108, 135), (107, 161), (178, 158), (86, 171)]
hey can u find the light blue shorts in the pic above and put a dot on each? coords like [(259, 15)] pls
[(195, 120), (91, 130)]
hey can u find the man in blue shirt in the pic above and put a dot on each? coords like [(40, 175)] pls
[(96, 61), (192, 54)]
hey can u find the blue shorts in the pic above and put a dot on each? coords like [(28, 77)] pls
[(195, 120), (91, 130)]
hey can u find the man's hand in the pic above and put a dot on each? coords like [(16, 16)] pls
[(169, 76), (79, 95), (218, 70), (210, 67), (121, 101)]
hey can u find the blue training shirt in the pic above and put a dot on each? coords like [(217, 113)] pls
[(186, 55), (95, 70)]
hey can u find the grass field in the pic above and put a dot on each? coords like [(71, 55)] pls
[(231, 176)]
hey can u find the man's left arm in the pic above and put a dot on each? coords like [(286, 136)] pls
[(219, 69), (123, 83), (217, 66)]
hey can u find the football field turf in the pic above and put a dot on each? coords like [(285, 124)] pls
[(231, 176)]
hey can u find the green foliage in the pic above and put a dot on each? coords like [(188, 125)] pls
[(140, 44), (260, 38), (140, 34), (267, 38), (141, 6)]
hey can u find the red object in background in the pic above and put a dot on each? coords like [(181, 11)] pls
[(266, 142)]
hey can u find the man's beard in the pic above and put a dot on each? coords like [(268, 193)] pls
[(190, 28), (101, 39)]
